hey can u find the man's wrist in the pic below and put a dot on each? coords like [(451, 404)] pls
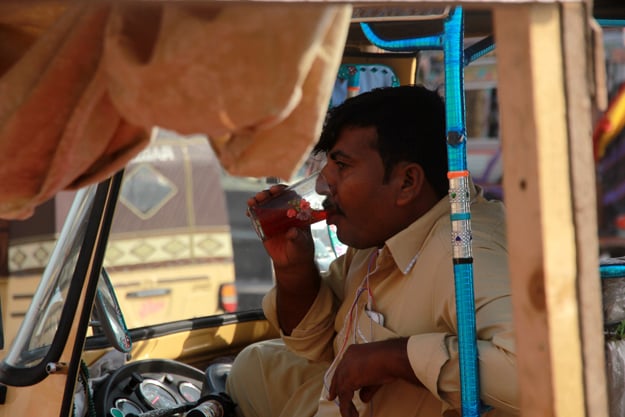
[(298, 281)]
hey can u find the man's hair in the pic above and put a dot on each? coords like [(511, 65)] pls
[(410, 124)]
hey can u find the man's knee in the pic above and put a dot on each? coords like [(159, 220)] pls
[(248, 377), (246, 368)]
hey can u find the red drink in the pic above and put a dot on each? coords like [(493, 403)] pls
[(270, 222), (299, 205)]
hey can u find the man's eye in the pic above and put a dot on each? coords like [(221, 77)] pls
[(340, 164)]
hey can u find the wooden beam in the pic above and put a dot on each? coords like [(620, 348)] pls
[(4, 248), (579, 55), (539, 192)]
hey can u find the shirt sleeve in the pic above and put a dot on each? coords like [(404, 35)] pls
[(312, 338), (434, 357)]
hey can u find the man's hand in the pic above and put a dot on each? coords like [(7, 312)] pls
[(367, 367), (293, 248)]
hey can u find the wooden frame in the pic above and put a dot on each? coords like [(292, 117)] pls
[(545, 108)]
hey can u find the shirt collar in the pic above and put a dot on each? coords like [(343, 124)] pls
[(405, 246)]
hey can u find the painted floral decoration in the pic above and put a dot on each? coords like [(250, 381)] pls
[(300, 209)]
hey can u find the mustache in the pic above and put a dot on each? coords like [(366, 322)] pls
[(331, 206)]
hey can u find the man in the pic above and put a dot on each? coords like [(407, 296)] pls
[(377, 336)]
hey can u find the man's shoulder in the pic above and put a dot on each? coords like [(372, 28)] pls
[(488, 221), (488, 212)]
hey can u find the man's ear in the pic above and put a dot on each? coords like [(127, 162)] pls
[(411, 179)]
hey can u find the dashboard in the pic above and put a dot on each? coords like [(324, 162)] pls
[(153, 384)]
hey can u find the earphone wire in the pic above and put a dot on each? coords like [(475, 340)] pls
[(351, 321)]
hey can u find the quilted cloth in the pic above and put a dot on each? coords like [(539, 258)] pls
[(83, 84)]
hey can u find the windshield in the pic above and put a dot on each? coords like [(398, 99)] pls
[(181, 245), (43, 316)]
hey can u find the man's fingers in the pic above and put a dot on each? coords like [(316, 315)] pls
[(366, 393), (265, 194), (262, 196), (346, 406)]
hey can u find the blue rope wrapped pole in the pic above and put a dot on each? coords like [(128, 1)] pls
[(479, 49), (451, 41), (459, 197), (434, 42)]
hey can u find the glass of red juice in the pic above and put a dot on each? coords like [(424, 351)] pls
[(298, 205)]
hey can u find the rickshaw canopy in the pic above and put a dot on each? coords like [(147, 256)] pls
[(100, 75)]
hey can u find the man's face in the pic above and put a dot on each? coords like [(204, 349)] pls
[(363, 203)]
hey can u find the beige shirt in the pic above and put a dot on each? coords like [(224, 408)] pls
[(410, 282)]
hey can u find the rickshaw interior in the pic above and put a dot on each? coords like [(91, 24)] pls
[(159, 338)]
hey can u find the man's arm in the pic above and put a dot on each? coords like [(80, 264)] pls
[(297, 287), (314, 332), (366, 367), (297, 276)]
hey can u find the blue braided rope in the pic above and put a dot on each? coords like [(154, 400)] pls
[(479, 49), (606, 23), (616, 270), (434, 42)]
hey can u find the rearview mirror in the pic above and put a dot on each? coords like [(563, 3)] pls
[(107, 315)]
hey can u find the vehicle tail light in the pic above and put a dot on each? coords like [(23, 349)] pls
[(228, 299)]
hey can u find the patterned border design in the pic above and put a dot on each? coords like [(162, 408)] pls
[(132, 251)]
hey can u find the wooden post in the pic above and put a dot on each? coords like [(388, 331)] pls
[(548, 181), (4, 248), (580, 77)]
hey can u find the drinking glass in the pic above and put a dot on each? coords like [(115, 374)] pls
[(298, 205)]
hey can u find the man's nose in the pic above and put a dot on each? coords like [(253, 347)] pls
[(322, 186)]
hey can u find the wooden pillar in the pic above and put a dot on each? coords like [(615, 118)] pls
[(581, 89), (4, 248), (549, 188)]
